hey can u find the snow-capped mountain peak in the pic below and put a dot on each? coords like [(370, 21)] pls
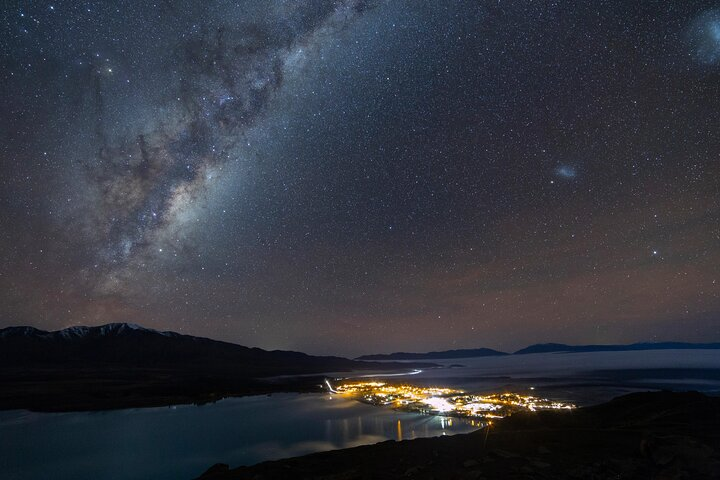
[(19, 332), (77, 332)]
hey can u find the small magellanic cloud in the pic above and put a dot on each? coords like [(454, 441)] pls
[(565, 171), (705, 38)]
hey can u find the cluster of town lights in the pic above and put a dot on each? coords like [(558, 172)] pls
[(445, 401)]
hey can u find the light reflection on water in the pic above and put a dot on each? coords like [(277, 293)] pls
[(181, 442), (581, 378)]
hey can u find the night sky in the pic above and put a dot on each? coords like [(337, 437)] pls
[(356, 176)]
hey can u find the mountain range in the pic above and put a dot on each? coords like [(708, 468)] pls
[(541, 348), (562, 348), (464, 353), (122, 365), (130, 345)]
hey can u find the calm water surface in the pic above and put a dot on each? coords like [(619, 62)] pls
[(181, 442), (582, 378)]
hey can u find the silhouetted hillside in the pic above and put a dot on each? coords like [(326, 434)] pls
[(465, 353), (559, 347), (121, 365)]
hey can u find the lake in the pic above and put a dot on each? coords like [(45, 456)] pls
[(181, 442), (582, 378)]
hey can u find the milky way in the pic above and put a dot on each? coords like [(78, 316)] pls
[(362, 176), (146, 184)]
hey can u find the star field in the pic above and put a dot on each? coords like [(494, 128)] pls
[(359, 176)]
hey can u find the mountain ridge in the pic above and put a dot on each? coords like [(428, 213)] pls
[(630, 347), (124, 365), (77, 331), (457, 353), (540, 348), (121, 329), (75, 344)]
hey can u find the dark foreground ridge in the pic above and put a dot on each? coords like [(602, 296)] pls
[(122, 365), (643, 435)]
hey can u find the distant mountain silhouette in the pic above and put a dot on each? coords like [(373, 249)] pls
[(123, 365), (464, 353), (540, 348), (130, 345), (559, 347)]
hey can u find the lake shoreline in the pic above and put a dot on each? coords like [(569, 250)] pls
[(102, 390), (640, 435), (174, 439)]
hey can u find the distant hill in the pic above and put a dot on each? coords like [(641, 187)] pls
[(121, 365), (464, 353), (560, 348), (540, 348), (129, 345)]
